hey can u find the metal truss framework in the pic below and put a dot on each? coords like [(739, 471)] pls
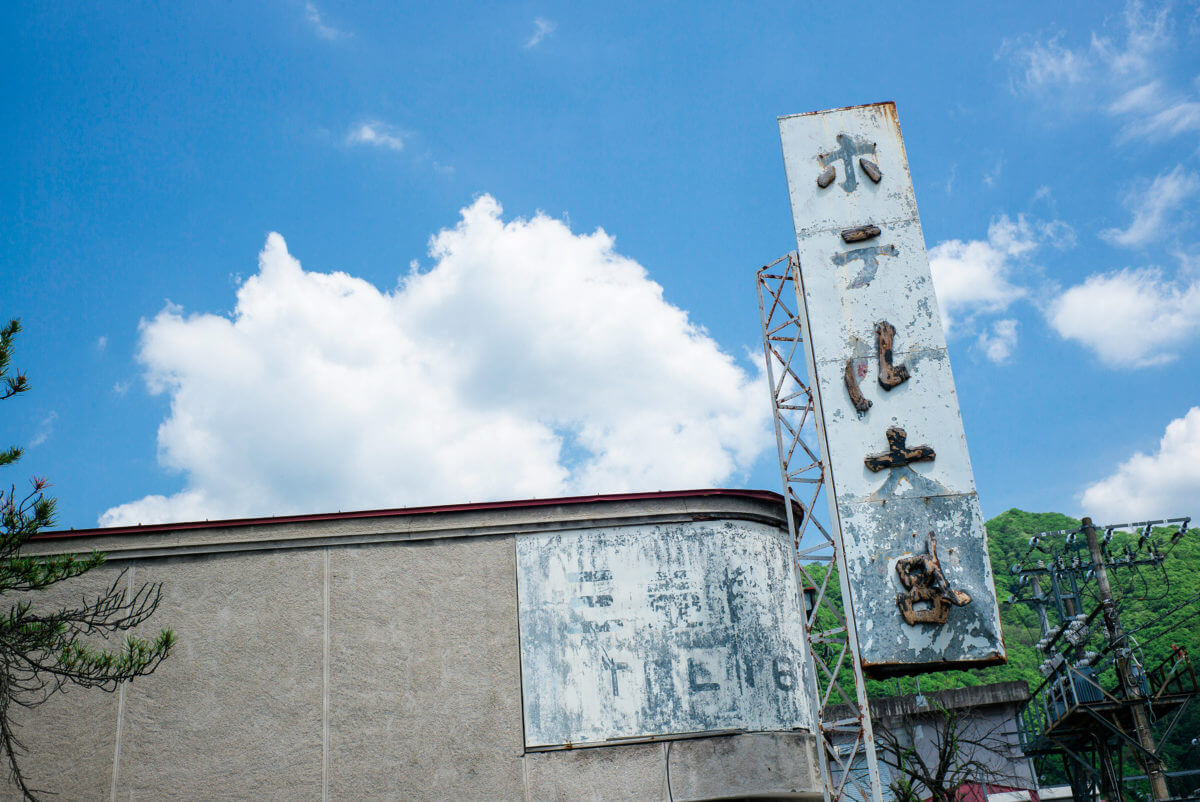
[(847, 756)]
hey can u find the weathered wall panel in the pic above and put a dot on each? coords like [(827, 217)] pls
[(652, 630), (887, 515)]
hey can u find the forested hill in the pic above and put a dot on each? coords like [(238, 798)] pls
[(1158, 607)]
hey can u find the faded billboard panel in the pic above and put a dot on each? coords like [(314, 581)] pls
[(901, 487), (652, 630)]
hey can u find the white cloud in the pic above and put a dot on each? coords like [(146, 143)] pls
[(1129, 318), (541, 29), (1050, 64), (528, 361), (121, 388), (320, 26), (101, 342), (1163, 484), (978, 276), (44, 430), (1153, 208), (993, 175), (1000, 343), (1121, 73), (376, 133)]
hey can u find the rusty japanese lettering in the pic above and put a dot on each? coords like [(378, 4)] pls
[(848, 148), (924, 583), (871, 169), (826, 177), (861, 403), (869, 256), (860, 233), (898, 454), (890, 376)]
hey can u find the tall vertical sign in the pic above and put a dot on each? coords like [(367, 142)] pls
[(900, 487)]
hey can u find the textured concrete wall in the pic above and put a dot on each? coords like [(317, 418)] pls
[(424, 683), (336, 669)]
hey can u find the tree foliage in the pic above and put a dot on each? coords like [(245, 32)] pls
[(1158, 607), (45, 648)]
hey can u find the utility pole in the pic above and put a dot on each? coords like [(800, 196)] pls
[(1131, 687)]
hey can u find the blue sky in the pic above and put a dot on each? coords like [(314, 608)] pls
[(1054, 148)]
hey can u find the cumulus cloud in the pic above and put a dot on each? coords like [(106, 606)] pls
[(1154, 207), (541, 29), (527, 361), (999, 343), (1129, 318), (377, 134), (975, 277), (1162, 484), (1122, 72)]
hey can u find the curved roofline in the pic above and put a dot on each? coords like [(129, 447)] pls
[(761, 495)]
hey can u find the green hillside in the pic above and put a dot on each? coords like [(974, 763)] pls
[(1158, 607)]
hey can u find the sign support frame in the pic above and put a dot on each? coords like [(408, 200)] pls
[(842, 721)]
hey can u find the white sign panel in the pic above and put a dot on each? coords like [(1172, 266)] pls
[(900, 480), (649, 630)]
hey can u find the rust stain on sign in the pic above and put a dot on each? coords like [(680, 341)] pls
[(925, 584)]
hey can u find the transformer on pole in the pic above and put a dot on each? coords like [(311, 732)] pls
[(1079, 713)]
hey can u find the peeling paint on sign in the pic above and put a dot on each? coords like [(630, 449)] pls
[(652, 630), (886, 505)]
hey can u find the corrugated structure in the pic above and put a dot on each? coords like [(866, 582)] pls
[(642, 646)]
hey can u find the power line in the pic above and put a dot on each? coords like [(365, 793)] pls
[(1072, 715)]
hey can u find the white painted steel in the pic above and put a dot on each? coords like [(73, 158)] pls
[(657, 630), (884, 516)]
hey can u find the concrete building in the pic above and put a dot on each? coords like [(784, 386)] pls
[(642, 646), (981, 719)]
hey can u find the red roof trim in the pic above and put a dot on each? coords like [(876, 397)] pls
[(761, 495)]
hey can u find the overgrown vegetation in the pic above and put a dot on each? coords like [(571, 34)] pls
[(1158, 607)]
